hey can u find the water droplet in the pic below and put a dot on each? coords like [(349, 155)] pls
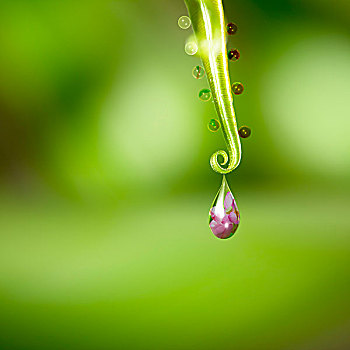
[(231, 28), (198, 72), (244, 132), (224, 215), (237, 88), (191, 48), (233, 55), (184, 22), (214, 125), (205, 95)]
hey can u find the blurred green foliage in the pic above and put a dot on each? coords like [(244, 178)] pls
[(105, 180)]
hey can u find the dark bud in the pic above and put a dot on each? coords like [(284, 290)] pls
[(237, 88), (233, 55), (231, 29), (244, 132)]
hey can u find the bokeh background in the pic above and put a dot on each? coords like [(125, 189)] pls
[(105, 183)]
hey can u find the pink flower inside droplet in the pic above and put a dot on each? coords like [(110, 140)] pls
[(224, 225)]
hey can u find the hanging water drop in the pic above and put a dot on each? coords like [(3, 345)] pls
[(214, 125), (184, 22), (198, 72), (224, 215), (205, 95)]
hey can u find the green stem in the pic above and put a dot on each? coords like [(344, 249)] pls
[(208, 23)]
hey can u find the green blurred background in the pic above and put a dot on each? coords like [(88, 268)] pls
[(105, 183)]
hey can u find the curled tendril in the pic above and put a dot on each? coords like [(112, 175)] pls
[(208, 22), (214, 162)]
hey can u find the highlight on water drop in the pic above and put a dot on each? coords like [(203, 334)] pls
[(205, 95), (231, 28), (237, 88), (233, 55), (198, 72), (214, 125), (191, 48), (184, 22), (224, 216), (244, 132)]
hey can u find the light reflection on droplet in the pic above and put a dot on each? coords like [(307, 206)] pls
[(184, 22), (198, 72), (214, 125), (205, 95), (191, 48)]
